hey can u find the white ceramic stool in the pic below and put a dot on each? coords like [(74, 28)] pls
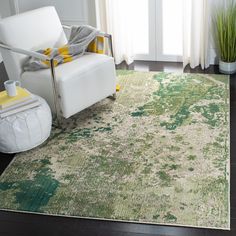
[(25, 130)]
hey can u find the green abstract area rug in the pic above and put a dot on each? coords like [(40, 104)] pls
[(159, 154)]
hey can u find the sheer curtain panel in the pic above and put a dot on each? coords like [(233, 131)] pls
[(114, 17), (196, 33)]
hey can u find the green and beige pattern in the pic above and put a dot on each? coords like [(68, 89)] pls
[(158, 154)]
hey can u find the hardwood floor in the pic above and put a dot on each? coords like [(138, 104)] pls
[(17, 224)]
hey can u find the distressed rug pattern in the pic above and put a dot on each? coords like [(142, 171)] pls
[(158, 154)]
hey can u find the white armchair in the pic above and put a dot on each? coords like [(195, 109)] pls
[(68, 88)]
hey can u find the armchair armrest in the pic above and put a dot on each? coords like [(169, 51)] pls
[(109, 37), (26, 52), (105, 34)]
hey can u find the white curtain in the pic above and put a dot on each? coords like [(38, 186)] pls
[(196, 33), (114, 17)]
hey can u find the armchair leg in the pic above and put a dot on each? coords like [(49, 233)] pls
[(57, 122), (113, 97)]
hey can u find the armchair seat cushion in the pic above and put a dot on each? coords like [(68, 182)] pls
[(80, 83)]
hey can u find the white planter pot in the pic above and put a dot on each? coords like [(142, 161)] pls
[(227, 68)]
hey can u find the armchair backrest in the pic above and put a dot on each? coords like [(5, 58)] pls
[(32, 30)]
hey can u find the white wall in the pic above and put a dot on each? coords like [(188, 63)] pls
[(70, 11), (92, 12), (5, 9)]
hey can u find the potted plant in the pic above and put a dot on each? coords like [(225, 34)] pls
[(226, 37)]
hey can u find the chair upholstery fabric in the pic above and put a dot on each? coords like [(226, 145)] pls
[(80, 83)]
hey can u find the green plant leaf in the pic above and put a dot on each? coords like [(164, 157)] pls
[(225, 25)]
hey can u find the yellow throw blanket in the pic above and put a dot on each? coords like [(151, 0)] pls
[(82, 39), (63, 54), (97, 45)]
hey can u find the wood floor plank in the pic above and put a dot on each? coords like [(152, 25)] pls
[(5, 160)]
